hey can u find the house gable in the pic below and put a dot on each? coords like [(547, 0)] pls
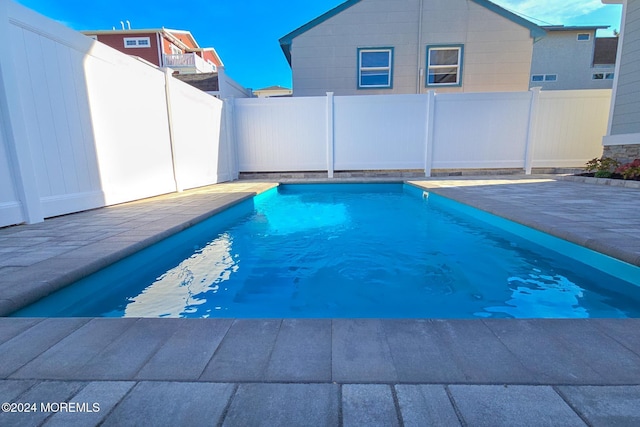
[(286, 41)]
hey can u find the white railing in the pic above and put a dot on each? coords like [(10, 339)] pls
[(188, 61)]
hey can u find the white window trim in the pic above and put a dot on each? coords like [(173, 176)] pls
[(388, 69), (583, 34), (137, 42), (458, 66)]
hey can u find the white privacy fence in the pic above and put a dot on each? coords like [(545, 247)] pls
[(445, 131), (84, 126)]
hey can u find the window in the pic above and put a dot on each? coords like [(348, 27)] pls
[(444, 65), (375, 68), (583, 37), (137, 42), (602, 76), (544, 77), (175, 50)]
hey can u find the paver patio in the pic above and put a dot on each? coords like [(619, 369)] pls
[(315, 371)]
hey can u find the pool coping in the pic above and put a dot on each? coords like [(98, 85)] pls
[(71, 266)]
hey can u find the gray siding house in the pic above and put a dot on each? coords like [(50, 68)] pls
[(623, 137), (573, 58), (411, 46)]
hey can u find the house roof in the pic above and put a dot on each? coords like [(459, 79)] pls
[(272, 88), (605, 50), (207, 82), (285, 41), (574, 27)]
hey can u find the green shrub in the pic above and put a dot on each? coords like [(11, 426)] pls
[(603, 167)]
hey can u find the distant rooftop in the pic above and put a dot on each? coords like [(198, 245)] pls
[(207, 82), (574, 27)]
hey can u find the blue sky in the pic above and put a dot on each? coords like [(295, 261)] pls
[(245, 32)]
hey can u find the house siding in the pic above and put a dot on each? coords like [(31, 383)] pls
[(626, 113), (560, 53), (116, 41), (497, 51)]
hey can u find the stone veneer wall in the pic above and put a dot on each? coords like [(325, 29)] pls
[(622, 153)]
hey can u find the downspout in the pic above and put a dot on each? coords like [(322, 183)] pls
[(614, 90), (419, 49), (160, 50)]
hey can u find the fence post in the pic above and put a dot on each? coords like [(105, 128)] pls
[(167, 92), (430, 125), (15, 128), (330, 135), (531, 131), (229, 122)]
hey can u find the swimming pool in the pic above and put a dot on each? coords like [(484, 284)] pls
[(355, 250)]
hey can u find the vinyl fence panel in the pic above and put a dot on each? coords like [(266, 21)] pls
[(480, 130), (569, 127), (380, 132), (281, 135)]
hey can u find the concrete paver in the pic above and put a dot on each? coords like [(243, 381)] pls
[(316, 371), (368, 405), (512, 406), (422, 405)]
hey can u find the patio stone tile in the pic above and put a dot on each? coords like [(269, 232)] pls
[(512, 406), (605, 406), (368, 405), (171, 404), (422, 405), (361, 352), (481, 356), (45, 392), (624, 331), (269, 405), (125, 355), (244, 352), (302, 351), (9, 327), (106, 394), (596, 349), (28, 345), (186, 353), (419, 353), (66, 358), (548, 359), (10, 390)]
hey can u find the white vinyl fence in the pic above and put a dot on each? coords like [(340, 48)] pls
[(444, 131), (85, 126)]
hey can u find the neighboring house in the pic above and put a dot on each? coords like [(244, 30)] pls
[(272, 92), (622, 141), (176, 49), (573, 58), (411, 46)]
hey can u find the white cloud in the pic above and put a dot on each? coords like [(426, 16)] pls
[(551, 11)]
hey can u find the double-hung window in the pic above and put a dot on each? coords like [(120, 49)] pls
[(444, 65), (375, 68)]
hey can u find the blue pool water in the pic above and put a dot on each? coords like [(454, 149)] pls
[(355, 250)]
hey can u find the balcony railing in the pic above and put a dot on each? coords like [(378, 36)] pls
[(188, 63)]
